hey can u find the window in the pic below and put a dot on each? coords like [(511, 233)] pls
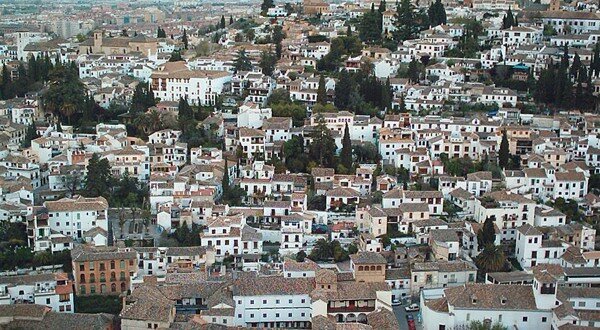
[(544, 319), (524, 318)]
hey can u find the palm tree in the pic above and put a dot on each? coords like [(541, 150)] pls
[(67, 110), (142, 123), (155, 120), (491, 259)]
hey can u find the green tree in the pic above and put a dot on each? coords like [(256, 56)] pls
[(296, 111), (321, 91), (225, 184), (346, 153), (65, 94), (322, 149), (175, 56), (242, 62), (296, 159), (161, 33), (185, 114), (491, 259), (503, 153), (487, 234), (267, 63), (264, 7), (184, 39), (414, 71), (222, 26), (404, 21), (342, 90), (369, 29), (300, 256), (437, 13), (98, 181), (277, 38), (509, 20), (31, 134)]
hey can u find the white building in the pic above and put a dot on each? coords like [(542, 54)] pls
[(275, 301), (73, 217), (49, 289), (174, 80)]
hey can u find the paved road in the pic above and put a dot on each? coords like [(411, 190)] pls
[(401, 316)]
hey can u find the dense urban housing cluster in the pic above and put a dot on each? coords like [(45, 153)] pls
[(306, 164)]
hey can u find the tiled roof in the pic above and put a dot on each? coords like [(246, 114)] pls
[(444, 235), (491, 297), (351, 290), (77, 204), (444, 266), (383, 319), (252, 285), (569, 176), (89, 253), (291, 265), (367, 257), (529, 230), (148, 303)]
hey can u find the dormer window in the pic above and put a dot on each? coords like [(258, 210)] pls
[(503, 300), (473, 299)]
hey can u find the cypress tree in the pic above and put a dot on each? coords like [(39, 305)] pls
[(503, 153), (31, 134), (487, 234), (225, 181), (346, 153), (321, 92), (184, 39)]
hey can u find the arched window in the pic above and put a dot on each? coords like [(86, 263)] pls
[(113, 287), (360, 268), (123, 289), (103, 288), (102, 277), (122, 276), (113, 276), (82, 278), (112, 264), (372, 267), (378, 267), (92, 278)]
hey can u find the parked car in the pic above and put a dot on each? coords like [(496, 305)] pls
[(396, 302), (409, 317), (412, 308), (411, 324)]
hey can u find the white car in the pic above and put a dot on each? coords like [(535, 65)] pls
[(412, 308), (396, 302)]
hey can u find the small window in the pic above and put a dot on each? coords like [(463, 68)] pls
[(524, 318)]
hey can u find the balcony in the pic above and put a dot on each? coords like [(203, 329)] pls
[(352, 307)]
